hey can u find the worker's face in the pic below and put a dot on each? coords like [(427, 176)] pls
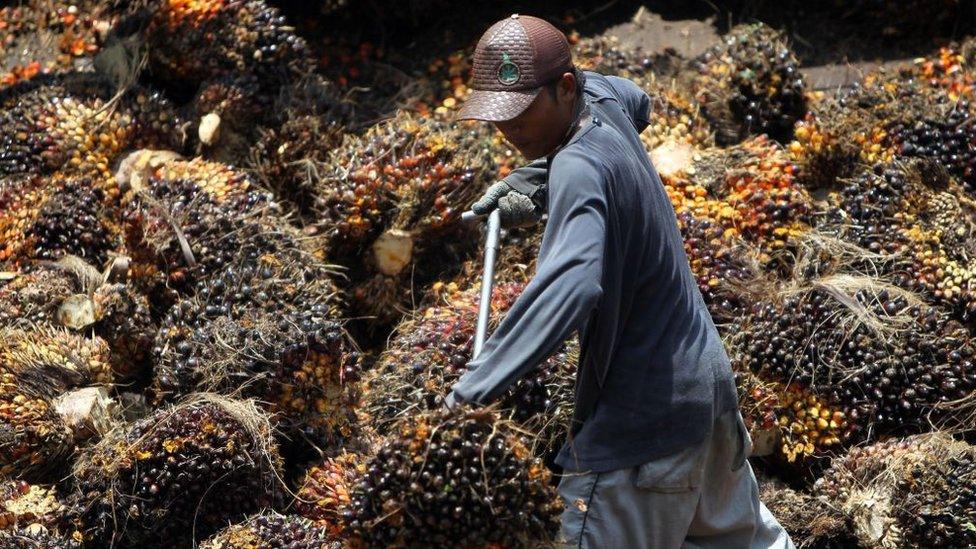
[(543, 125)]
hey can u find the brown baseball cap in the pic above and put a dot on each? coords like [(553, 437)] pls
[(513, 60)]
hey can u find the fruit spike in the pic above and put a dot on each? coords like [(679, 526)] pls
[(750, 84), (273, 530), (920, 488), (183, 472), (63, 123), (460, 480)]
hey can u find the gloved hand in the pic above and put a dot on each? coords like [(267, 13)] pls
[(516, 209)]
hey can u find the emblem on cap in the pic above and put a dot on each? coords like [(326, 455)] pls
[(508, 72)]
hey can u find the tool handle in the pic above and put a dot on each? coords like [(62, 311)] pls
[(471, 217), (487, 277)]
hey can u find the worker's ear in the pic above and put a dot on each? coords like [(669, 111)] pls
[(566, 90)]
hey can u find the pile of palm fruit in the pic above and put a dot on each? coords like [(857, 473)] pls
[(235, 285)]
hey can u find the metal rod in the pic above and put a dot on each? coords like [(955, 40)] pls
[(487, 280)]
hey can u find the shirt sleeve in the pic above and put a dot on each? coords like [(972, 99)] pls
[(634, 100), (562, 295), (529, 179)]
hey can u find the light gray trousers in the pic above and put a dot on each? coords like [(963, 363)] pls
[(702, 496)]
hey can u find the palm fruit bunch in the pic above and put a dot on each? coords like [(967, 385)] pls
[(62, 359), (431, 352), (918, 220), (183, 220), (271, 530), (325, 492), (181, 473), (390, 205), (787, 420), (33, 516), (950, 70), (749, 191), (228, 113), (71, 124), (810, 520), (867, 358), (42, 419), (191, 41), (455, 480), (39, 37), (289, 158), (71, 294), (445, 85), (49, 217), (914, 492), (720, 262), (265, 328), (36, 439), (33, 296), (750, 84), (674, 116)]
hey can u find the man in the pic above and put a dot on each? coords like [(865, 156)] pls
[(656, 455)]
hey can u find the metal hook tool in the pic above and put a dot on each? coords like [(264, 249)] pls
[(488, 274)]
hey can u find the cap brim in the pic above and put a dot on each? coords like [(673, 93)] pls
[(496, 106)]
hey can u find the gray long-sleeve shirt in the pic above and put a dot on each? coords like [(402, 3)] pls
[(612, 265)]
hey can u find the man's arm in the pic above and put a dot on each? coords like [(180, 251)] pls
[(563, 293), (634, 100)]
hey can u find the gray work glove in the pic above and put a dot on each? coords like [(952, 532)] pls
[(516, 209)]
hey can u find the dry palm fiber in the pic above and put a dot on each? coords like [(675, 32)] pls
[(914, 492), (325, 492), (42, 36), (273, 531), (874, 357), (390, 204), (455, 480), (812, 522), (190, 42), (74, 123), (179, 474), (431, 351), (674, 116), (749, 85)]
